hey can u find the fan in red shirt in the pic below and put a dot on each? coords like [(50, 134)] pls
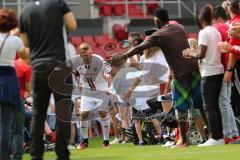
[(234, 47), (24, 76)]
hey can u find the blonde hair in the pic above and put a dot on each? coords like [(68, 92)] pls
[(150, 52), (84, 47)]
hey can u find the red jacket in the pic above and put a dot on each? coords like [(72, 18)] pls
[(234, 41)]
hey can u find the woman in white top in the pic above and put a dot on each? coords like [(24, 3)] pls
[(9, 85), (212, 74)]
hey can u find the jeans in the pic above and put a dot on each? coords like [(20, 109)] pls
[(235, 97), (6, 120), (41, 96), (229, 124), (211, 88), (18, 135)]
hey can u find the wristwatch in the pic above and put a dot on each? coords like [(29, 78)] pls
[(230, 69)]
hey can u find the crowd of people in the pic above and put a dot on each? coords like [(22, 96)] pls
[(162, 75)]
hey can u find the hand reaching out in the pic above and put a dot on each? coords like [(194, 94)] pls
[(224, 47), (187, 53)]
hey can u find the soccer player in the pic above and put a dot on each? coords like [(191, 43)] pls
[(91, 72)]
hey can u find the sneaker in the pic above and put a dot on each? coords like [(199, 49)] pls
[(122, 142), (202, 141), (141, 144), (212, 142), (49, 146), (182, 145), (168, 144), (71, 146), (235, 140), (105, 144), (82, 146), (115, 141)]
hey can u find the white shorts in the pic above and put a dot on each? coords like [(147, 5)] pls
[(98, 101)]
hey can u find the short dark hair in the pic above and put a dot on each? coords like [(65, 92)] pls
[(8, 20), (206, 13), (235, 6), (137, 37), (161, 14), (219, 11), (134, 34)]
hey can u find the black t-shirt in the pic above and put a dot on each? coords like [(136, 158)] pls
[(43, 22), (172, 40)]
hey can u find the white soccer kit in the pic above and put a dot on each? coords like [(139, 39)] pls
[(93, 78)]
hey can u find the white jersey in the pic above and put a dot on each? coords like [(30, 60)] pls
[(93, 76)]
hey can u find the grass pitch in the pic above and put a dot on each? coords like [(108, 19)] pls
[(155, 152)]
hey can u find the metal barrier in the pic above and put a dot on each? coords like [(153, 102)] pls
[(19, 4), (180, 5)]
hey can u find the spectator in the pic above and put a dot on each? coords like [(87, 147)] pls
[(47, 48), (230, 130), (172, 39), (10, 100), (234, 59), (212, 74), (24, 72)]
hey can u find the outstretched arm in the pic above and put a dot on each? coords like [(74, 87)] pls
[(132, 52)]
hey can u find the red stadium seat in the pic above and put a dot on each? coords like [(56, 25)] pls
[(152, 7), (101, 39), (106, 10), (117, 27), (119, 32), (76, 40), (192, 35), (89, 40), (119, 9), (135, 11), (100, 52)]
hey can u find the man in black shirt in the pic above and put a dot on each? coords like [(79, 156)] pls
[(41, 26)]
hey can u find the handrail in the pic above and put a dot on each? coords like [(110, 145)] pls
[(180, 4), (4, 3), (193, 12)]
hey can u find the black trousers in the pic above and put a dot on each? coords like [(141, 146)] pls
[(211, 88), (235, 96), (43, 85)]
